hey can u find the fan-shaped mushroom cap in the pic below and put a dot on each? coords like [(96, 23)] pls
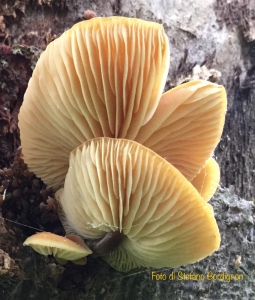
[(207, 181), (187, 125), (120, 185), (103, 77), (62, 248)]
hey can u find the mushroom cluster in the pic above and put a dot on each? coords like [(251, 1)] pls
[(132, 166)]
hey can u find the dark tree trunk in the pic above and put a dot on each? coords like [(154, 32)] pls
[(215, 41), (236, 151)]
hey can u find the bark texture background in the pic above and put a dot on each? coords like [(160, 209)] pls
[(212, 40)]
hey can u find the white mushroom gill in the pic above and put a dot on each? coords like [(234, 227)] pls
[(105, 77), (141, 172), (121, 186)]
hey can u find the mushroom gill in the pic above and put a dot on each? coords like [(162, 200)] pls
[(207, 181), (120, 186), (104, 78), (62, 248), (187, 125)]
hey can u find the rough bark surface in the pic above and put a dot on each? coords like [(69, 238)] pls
[(32, 276), (212, 40)]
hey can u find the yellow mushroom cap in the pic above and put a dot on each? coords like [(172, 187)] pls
[(187, 125), (120, 185), (47, 243), (103, 77), (207, 181)]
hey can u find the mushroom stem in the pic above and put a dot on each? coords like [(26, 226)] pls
[(106, 244)]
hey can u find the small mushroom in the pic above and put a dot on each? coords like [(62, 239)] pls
[(62, 248), (89, 14), (134, 207)]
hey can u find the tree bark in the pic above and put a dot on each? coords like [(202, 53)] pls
[(212, 40)]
